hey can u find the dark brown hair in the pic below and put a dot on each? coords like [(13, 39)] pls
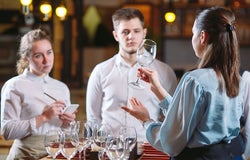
[(222, 51)]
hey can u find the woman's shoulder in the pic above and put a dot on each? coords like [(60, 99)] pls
[(201, 73), (57, 82), (203, 76), (14, 80)]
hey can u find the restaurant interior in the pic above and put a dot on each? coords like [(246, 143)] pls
[(82, 35)]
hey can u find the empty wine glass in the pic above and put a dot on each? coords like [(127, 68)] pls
[(145, 55), (52, 142), (103, 133), (84, 135), (70, 144), (129, 136), (115, 148)]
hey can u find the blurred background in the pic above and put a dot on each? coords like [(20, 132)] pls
[(82, 35)]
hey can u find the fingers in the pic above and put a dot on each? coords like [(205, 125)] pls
[(126, 109), (144, 74), (60, 108)]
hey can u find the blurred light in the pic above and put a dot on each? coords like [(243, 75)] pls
[(236, 4), (25, 6), (170, 17), (46, 9), (61, 12), (25, 2)]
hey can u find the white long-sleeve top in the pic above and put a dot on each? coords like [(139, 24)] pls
[(246, 131), (108, 90), (23, 98)]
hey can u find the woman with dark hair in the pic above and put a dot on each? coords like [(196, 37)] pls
[(27, 107), (202, 118)]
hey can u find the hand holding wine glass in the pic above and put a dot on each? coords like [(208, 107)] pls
[(52, 142), (145, 55)]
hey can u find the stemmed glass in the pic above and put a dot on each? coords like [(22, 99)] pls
[(129, 136), (145, 55), (102, 134), (52, 142), (70, 143), (115, 148), (84, 135)]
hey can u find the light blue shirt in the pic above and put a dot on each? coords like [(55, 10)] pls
[(198, 114)]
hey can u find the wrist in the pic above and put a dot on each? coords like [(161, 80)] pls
[(40, 119), (146, 123)]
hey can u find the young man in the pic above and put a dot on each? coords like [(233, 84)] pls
[(108, 87)]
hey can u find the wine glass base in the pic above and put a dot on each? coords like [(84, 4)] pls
[(136, 85)]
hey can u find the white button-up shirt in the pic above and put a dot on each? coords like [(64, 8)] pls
[(108, 90), (23, 98)]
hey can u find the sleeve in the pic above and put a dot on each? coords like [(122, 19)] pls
[(168, 79), (11, 125), (246, 113), (182, 115), (94, 97)]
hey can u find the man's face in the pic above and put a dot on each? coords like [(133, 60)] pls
[(129, 34)]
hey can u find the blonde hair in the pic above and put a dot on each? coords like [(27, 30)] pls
[(26, 45)]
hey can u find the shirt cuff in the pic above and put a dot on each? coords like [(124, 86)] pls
[(165, 102), (33, 125), (147, 123)]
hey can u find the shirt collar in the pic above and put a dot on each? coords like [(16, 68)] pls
[(120, 62), (34, 77)]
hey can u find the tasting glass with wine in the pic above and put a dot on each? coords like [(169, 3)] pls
[(52, 142)]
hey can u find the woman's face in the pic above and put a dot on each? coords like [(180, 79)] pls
[(41, 58), (197, 41)]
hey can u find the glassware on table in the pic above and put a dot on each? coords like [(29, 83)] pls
[(93, 128), (84, 134), (101, 135), (145, 55), (115, 148), (70, 144), (129, 136), (52, 142)]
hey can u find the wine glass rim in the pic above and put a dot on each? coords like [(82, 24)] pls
[(150, 40)]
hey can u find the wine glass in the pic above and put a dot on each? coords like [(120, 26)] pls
[(70, 144), (115, 148), (145, 55), (84, 135), (52, 142), (102, 134), (129, 136)]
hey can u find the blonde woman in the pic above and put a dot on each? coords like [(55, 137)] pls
[(27, 107)]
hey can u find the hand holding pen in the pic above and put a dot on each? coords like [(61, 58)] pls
[(50, 111), (64, 117), (59, 104)]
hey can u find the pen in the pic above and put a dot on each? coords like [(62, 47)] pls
[(50, 96)]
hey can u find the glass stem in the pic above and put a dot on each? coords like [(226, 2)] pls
[(84, 154), (137, 81), (80, 155), (101, 155)]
